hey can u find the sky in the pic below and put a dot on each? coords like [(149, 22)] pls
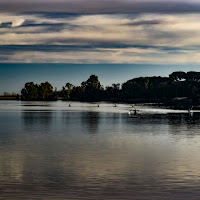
[(14, 76), (98, 33)]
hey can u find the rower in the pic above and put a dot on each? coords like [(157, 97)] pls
[(190, 112)]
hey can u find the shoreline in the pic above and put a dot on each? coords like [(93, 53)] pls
[(168, 104)]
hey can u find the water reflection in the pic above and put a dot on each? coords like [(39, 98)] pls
[(90, 120), (183, 118), (184, 125), (37, 118), (146, 157)]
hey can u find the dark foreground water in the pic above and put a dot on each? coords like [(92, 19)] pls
[(51, 151)]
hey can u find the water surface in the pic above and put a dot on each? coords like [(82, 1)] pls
[(49, 150)]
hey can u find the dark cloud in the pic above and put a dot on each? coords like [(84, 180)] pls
[(31, 23), (58, 15), (8, 49), (47, 27), (145, 22), (97, 6), (6, 25)]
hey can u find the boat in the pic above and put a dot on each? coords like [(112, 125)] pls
[(132, 112)]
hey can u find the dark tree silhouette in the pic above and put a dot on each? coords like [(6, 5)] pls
[(32, 92), (178, 76), (143, 89)]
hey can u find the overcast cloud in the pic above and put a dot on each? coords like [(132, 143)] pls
[(130, 31), (99, 6)]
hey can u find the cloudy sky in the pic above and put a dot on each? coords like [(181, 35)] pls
[(157, 32), (100, 31)]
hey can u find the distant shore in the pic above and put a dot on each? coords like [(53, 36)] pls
[(180, 90), (9, 98), (174, 104)]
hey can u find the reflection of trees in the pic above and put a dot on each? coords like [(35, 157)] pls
[(90, 120), (183, 124), (41, 120), (176, 119), (184, 119), (175, 124)]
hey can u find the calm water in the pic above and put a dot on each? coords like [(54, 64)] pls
[(49, 150)]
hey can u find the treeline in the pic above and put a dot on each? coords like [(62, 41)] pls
[(35, 92), (9, 96), (143, 89)]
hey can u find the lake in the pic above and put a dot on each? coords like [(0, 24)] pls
[(49, 150)]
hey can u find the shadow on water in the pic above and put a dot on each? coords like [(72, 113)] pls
[(183, 124), (37, 120), (172, 123), (90, 121)]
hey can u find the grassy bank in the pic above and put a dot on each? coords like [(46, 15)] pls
[(8, 98)]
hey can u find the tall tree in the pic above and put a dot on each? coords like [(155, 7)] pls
[(30, 92), (46, 91)]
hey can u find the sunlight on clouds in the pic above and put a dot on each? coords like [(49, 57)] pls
[(16, 21), (111, 38), (128, 55)]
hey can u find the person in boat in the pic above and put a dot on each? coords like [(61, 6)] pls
[(134, 111), (190, 112)]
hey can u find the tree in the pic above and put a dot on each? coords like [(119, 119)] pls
[(32, 92), (178, 76), (46, 91), (92, 89), (69, 88), (193, 76), (6, 94), (112, 93), (116, 86), (92, 83)]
